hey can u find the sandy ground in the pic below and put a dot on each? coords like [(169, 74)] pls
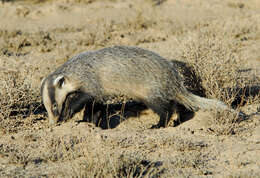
[(213, 36)]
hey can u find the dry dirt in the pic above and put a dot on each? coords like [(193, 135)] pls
[(219, 40)]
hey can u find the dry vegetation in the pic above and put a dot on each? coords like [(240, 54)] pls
[(218, 41)]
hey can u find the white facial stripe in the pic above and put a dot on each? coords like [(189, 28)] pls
[(57, 80)]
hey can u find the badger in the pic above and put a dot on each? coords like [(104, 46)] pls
[(120, 74)]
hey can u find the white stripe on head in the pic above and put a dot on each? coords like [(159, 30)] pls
[(59, 81)]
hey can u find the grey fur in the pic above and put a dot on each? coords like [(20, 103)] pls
[(119, 74)]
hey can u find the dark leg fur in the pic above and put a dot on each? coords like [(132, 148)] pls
[(74, 103), (163, 109), (93, 112), (96, 113), (99, 114)]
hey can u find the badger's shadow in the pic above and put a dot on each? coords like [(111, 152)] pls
[(110, 116)]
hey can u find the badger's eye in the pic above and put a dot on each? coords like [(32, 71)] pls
[(55, 109), (55, 106)]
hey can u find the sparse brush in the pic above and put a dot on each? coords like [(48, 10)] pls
[(213, 61), (18, 99), (220, 69), (139, 168)]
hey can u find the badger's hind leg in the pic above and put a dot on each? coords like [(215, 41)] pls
[(164, 109), (176, 117)]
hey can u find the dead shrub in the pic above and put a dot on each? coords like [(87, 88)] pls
[(18, 99), (213, 61), (216, 61)]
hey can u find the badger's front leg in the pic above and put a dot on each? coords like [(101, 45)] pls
[(74, 103)]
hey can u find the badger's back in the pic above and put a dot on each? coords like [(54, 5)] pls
[(129, 72)]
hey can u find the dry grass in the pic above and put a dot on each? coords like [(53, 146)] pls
[(19, 100), (224, 73), (17, 96), (217, 64)]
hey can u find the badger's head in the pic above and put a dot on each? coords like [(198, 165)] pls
[(54, 90)]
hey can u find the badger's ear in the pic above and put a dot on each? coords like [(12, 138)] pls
[(59, 81)]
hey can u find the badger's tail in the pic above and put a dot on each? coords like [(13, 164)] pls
[(195, 103)]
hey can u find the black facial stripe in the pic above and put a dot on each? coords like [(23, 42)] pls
[(55, 112), (51, 92)]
